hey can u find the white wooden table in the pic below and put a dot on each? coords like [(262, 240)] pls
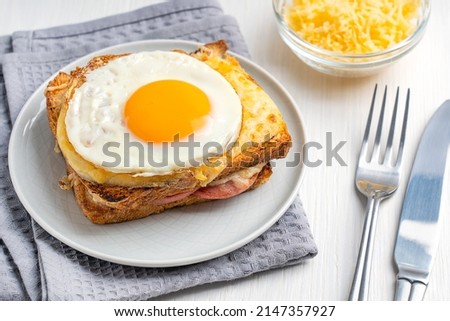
[(328, 104)]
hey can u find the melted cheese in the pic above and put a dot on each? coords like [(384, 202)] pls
[(240, 177), (353, 26)]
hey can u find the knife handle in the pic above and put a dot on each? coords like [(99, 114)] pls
[(402, 290), (407, 291), (417, 292)]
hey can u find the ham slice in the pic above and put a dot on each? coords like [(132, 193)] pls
[(230, 186), (173, 198), (228, 189)]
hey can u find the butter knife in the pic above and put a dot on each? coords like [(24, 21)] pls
[(424, 204)]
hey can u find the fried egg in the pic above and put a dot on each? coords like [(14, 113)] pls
[(151, 113)]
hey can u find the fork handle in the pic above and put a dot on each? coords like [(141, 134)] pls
[(360, 285)]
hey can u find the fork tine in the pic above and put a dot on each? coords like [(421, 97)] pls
[(388, 152), (376, 146), (364, 146), (402, 137)]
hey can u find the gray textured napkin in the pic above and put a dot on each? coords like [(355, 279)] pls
[(36, 266)]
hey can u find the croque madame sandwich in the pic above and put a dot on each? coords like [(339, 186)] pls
[(144, 132)]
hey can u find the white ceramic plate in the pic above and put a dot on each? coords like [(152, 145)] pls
[(177, 237)]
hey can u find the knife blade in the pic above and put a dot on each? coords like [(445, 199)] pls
[(423, 206)]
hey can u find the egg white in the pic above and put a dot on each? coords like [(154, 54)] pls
[(96, 127)]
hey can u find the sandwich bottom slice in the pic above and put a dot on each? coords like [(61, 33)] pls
[(112, 204), (106, 197)]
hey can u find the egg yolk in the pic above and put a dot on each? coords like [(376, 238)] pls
[(162, 110)]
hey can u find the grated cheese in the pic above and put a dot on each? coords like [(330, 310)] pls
[(353, 26)]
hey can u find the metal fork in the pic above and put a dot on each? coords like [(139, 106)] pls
[(377, 177)]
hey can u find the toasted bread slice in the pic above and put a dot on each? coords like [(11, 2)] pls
[(107, 197), (263, 135)]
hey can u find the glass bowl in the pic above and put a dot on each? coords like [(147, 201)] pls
[(348, 65)]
